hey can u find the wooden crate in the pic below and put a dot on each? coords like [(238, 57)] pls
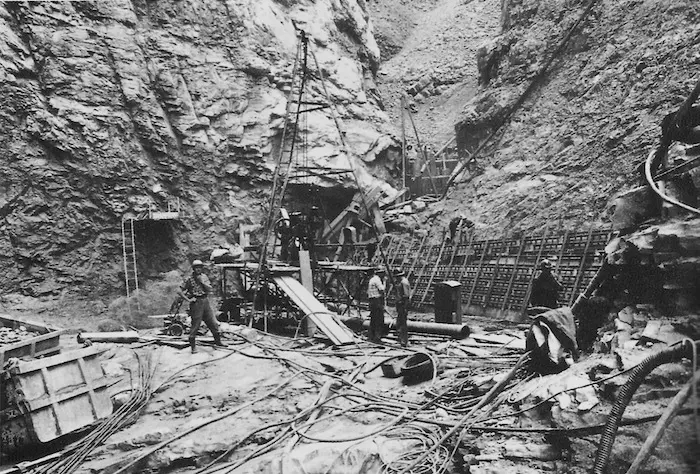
[(45, 343), (44, 399)]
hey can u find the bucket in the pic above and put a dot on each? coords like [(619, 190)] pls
[(392, 369), (417, 368)]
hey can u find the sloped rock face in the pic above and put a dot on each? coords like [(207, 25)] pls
[(109, 107), (588, 121)]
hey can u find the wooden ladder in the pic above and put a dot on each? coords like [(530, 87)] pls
[(131, 276)]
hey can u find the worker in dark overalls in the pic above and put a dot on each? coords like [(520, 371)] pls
[(545, 288)]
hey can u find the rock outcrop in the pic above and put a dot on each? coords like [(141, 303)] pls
[(112, 107), (573, 94)]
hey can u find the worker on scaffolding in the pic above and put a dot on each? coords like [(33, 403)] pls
[(314, 223), (283, 227), (297, 241), (402, 300), (375, 294), (196, 290)]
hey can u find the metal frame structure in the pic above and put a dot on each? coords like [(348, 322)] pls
[(287, 169)]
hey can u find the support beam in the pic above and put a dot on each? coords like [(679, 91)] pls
[(581, 267), (523, 309)]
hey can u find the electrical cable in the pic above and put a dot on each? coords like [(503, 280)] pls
[(206, 423), (354, 438)]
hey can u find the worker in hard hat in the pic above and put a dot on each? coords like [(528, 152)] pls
[(196, 290), (283, 228), (546, 287)]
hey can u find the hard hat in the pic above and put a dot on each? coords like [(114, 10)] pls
[(197, 263), (545, 264)]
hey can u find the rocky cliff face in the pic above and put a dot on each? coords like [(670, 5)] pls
[(573, 93), (111, 107)]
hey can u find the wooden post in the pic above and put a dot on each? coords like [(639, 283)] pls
[(455, 244), (379, 244), (390, 259), (435, 267), (581, 266), (515, 271), (422, 269), (466, 256), (534, 271), (487, 298), (657, 433), (478, 272), (467, 251), (561, 255), (418, 254), (410, 255), (389, 248)]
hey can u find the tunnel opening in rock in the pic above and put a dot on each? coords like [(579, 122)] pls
[(156, 245), (331, 200)]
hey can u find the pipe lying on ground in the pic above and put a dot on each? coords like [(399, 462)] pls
[(457, 331), (120, 336)]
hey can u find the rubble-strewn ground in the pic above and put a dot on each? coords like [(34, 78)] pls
[(560, 159), (243, 398)]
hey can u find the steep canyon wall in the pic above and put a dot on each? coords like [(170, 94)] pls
[(573, 93), (109, 107)]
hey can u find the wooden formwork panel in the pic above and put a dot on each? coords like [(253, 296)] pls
[(47, 398), (46, 342), (498, 272)]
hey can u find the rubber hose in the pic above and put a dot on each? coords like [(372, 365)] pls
[(636, 378)]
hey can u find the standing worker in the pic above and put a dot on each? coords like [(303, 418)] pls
[(404, 295), (546, 287), (375, 293), (196, 290), (283, 228), (458, 224)]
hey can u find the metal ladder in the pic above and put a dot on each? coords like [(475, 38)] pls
[(131, 277)]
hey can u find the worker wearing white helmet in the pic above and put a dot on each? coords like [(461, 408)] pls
[(196, 290)]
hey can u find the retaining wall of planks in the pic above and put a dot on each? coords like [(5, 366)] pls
[(495, 275)]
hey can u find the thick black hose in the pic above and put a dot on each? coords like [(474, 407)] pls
[(636, 378)]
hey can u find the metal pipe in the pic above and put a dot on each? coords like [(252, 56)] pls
[(457, 331)]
